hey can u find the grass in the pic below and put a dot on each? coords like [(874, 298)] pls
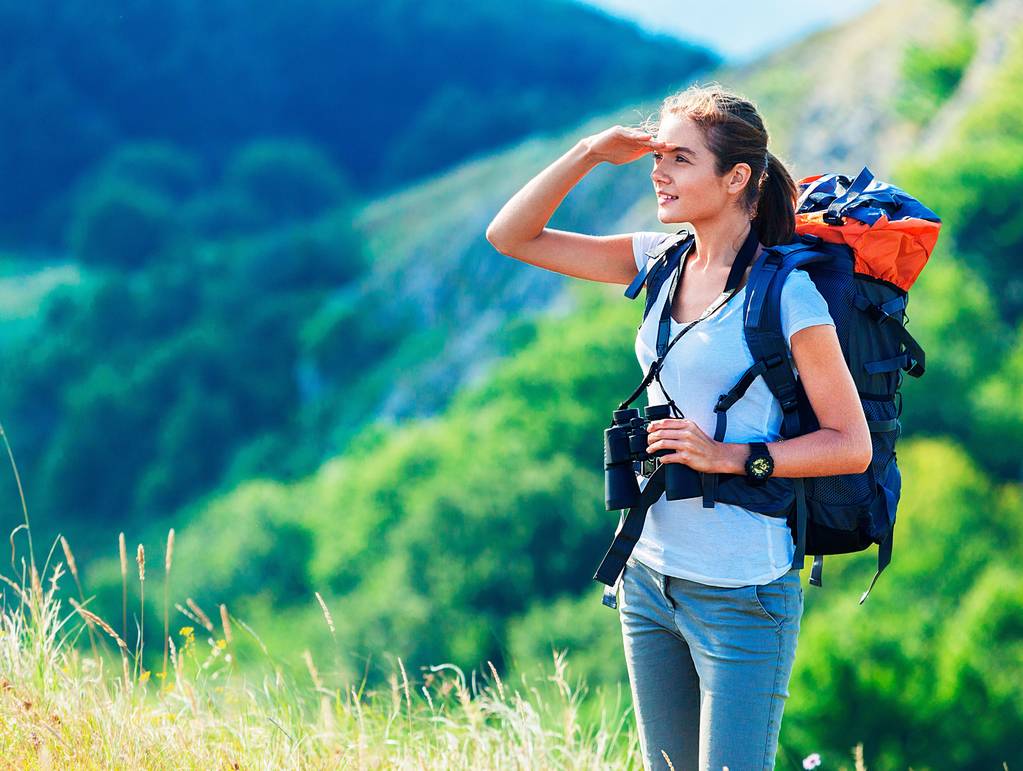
[(64, 708), (75, 694)]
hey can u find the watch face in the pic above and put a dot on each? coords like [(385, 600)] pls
[(760, 467)]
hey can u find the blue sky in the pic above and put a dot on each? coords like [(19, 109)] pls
[(737, 29)]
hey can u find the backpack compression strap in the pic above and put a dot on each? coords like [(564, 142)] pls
[(912, 360)]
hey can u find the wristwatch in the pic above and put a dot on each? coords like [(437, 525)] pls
[(759, 464)]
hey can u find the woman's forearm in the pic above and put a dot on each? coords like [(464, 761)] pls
[(823, 452), (527, 212)]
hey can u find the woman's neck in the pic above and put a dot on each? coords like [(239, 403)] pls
[(717, 244)]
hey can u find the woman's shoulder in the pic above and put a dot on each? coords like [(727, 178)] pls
[(802, 304), (799, 283), (645, 240)]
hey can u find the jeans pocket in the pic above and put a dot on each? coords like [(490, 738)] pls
[(771, 600)]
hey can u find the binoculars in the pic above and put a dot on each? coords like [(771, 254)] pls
[(625, 443)]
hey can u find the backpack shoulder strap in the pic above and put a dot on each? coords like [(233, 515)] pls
[(766, 340), (655, 260), (762, 321)]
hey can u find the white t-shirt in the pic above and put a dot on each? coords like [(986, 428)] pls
[(727, 545)]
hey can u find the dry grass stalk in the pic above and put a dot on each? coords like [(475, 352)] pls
[(21, 592), (73, 567), (168, 558), (21, 495), (226, 623), (313, 673), (174, 659), (124, 583), (90, 616), (37, 587), (326, 614), (200, 615), (140, 560), (169, 553), (858, 757), (408, 697), (497, 677)]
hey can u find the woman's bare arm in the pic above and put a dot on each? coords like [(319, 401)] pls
[(842, 445), (519, 229)]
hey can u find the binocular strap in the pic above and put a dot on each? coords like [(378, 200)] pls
[(613, 564)]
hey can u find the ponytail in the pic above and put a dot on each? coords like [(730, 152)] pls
[(775, 207)]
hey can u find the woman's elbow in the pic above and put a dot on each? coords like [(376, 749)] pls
[(494, 238), (864, 456)]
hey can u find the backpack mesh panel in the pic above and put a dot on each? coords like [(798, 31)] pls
[(838, 289), (841, 488)]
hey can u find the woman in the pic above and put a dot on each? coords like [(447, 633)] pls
[(710, 603)]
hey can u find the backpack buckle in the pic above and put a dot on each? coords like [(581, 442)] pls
[(877, 313), (774, 360), (725, 401)]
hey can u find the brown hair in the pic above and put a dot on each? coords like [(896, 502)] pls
[(735, 133)]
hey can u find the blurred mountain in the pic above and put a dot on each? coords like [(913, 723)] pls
[(392, 91)]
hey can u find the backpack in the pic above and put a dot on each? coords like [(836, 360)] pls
[(863, 243)]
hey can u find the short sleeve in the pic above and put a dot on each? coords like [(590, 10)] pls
[(802, 305), (643, 241)]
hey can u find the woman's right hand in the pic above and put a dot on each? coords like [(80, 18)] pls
[(621, 144)]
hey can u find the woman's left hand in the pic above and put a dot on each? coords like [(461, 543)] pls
[(691, 446)]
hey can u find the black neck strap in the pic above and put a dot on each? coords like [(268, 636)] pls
[(739, 266), (738, 270)]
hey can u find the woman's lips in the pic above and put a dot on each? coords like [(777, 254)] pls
[(663, 198)]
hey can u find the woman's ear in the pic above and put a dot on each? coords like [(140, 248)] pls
[(740, 176)]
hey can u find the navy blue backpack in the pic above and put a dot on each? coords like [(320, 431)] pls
[(844, 242)]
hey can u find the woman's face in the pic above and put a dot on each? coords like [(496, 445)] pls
[(688, 172)]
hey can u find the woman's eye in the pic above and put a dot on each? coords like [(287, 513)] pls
[(657, 156)]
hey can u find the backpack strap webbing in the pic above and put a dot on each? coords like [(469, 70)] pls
[(766, 341), (655, 258), (884, 556), (913, 360)]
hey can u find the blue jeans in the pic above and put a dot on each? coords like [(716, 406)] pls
[(709, 667)]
